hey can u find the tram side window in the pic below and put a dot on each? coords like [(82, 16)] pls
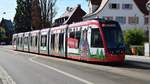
[(17, 41), (76, 35), (52, 41), (20, 41), (26, 41), (14, 41), (72, 34), (36, 42), (96, 40), (31, 41), (61, 41), (43, 40)]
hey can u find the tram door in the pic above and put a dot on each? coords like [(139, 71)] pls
[(57, 42), (26, 41), (44, 41), (73, 41), (14, 41), (34, 42), (20, 41)]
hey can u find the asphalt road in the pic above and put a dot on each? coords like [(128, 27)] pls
[(27, 68)]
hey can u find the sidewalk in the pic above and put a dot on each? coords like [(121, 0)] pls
[(138, 58)]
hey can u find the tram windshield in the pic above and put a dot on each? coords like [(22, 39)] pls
[(113, 36)]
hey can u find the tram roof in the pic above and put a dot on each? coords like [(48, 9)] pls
[(85, 23), (59, 27), (20, 34)]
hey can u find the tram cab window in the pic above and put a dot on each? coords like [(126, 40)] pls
[(96, 40), (43, 40)]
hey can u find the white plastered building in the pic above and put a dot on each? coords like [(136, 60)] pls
[(129, 13)]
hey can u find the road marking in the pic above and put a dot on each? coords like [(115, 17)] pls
[(115, 70), (6, 79), (60, 71)]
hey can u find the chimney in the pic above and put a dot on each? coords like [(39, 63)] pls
[(79, 5)]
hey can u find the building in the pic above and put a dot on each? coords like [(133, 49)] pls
[(72, 14), (7, 25), (129, 13)]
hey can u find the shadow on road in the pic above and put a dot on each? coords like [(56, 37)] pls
[(136, 65), (131, 65), (127, 64)]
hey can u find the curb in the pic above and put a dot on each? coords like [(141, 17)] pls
[(139, 57), (6, 79)]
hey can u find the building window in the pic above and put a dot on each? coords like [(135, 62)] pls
[(114, 6), (127, 6), (133, 20), (121, 19), (146, 20)]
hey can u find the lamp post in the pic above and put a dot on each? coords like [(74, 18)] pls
[(148, 8)]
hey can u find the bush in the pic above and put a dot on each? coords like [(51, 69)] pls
[(139, 50), (134, 37)]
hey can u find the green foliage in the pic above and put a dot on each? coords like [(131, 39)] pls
[(2, 34), (22, 19), (140, 50), (134, 36)]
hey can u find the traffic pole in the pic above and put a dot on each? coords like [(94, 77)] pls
[(148, 8)]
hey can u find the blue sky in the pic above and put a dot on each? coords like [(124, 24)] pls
[(9, 6), (62, 4)]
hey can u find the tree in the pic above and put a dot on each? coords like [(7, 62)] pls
[(3, 36), (22, 19), (36, 15), (48, 12), (134, 37)]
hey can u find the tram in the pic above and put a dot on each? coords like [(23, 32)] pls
[(96, 40)]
